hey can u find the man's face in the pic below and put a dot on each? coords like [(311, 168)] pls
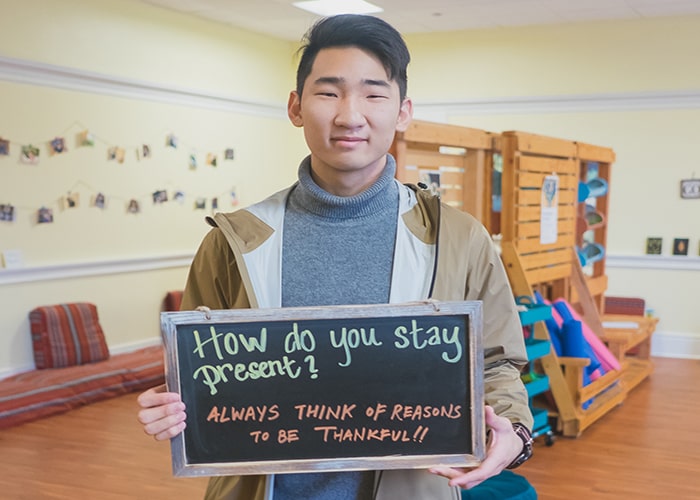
[(350, 111)]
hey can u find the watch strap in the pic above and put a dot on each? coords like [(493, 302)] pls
[(526, 436)]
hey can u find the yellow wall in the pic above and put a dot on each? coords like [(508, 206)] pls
[(586, 58), (143, 42), (130, 43), (654, 149), (642, 82), (37, 114), (134, 42)]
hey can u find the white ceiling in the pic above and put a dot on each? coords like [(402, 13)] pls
[(281, 19)]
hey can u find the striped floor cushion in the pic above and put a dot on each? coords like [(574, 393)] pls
[(634, 306), (67, 335), (39, 393)]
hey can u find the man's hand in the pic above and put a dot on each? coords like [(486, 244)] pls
[(162, 413), (503, 448)]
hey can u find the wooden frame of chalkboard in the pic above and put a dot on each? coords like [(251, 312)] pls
[(327, 388)]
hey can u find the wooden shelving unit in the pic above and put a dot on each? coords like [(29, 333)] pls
[(595, 162), (631, 342), (460, 156), (551, 268), (535, 380)]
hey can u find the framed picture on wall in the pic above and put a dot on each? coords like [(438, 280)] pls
[(690, 189), (680, 246), (654, 246)]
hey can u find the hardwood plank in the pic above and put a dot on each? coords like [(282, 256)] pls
[(447, 135), (432, 159), (589, 152), (544, 145), (532, 229), (97, 451), (646, 448), (531, 245), (532, 170), (534, 197), (534, 213)]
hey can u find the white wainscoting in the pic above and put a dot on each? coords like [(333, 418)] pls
[(61, 77), (49, 75), (107, 266), (666, 344), (655, 262), (94, 268), (675, 345)]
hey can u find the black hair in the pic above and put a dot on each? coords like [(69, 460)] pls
[(368, 33)]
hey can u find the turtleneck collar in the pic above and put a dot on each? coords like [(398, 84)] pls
[(381, 195)]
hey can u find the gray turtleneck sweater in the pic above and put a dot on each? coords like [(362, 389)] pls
[(336, 250), (339, 250)]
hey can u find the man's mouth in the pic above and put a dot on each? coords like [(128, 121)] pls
[(347, 141)]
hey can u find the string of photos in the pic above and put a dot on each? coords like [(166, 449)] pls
[(30, 154)]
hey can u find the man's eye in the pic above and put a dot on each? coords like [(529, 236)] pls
[(327, 94)]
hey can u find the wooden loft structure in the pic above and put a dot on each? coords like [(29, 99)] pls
[(630, 341), (460, 156), (529, 159), (599, 159)]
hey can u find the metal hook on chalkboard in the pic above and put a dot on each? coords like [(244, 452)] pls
[(205, 310), (434, 303)]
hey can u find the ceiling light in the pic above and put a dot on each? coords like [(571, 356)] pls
[(333, 7)]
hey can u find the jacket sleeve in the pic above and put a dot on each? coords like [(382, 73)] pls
[(504, 346), (214, 280)]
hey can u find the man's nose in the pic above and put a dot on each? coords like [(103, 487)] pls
[(350, 114)]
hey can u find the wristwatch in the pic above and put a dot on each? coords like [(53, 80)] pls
[(524, 434)]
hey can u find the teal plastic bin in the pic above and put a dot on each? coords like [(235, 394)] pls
[(505, 486)]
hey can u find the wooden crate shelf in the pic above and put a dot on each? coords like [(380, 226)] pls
[(566, 373), (459, 156), (463, 158), (556, 268), (635, 371)]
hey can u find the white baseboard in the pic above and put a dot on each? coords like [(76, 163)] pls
[(15, 370), (675, 345), (132, 346)]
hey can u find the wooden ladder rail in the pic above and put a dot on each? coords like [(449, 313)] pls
[(566, 373), (558, 384)]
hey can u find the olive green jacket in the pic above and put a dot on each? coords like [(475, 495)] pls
[(440, 253)]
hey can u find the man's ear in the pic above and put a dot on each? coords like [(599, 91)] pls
[(294, 109), (405, 115)]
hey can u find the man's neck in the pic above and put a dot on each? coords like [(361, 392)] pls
[(347, 182)]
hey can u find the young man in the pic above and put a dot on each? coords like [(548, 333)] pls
[(354, 235)]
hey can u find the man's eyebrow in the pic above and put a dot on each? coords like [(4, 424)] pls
[(337, 80), (377, 83)]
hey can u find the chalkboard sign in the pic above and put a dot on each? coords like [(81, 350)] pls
[(327, 388)]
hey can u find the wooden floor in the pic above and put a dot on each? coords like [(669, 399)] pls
[(648, 448)]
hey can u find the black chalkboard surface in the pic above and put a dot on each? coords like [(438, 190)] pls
[(327, 388)]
